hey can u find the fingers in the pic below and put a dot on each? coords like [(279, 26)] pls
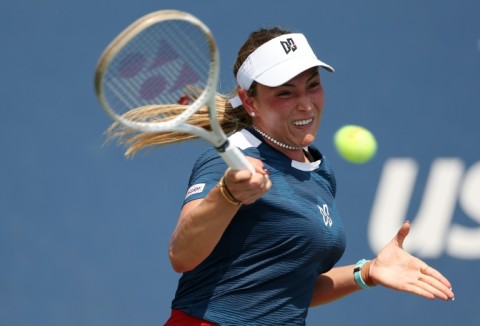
[(263, 186), (395, 268), (430, 271), (255, 188), (247, 187), (427, 282), (236, 176), (402, 234), (240, 175), (435, 283), (428, 289)]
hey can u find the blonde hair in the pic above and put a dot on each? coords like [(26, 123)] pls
[(230, 119)]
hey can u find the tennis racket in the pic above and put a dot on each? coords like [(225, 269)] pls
[(165, 58)]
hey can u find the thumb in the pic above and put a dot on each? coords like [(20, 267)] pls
[(402, 234)]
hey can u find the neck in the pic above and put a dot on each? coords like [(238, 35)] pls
[(276, 142)]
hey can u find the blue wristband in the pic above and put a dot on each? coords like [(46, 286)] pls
[(357, 274)]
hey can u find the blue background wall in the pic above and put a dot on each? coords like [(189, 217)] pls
[(84, 232)]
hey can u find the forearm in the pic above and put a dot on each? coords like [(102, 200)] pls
[(200, 227), (333, 285)]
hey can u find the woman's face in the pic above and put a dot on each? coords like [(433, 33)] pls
[(291, 113)]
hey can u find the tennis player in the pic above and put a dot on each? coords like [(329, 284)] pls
[(260, 249)]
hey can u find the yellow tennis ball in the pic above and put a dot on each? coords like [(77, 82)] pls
[(355, 144)]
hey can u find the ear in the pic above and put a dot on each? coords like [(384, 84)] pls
[(247, 101)]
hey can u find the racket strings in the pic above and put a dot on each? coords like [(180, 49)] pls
[(156, 66), (159, 113), (155, 77)]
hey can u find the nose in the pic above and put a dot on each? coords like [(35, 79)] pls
[(304, 103)]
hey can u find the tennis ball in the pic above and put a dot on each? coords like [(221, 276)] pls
[(355, 144)]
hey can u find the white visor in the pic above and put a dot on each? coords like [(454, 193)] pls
[(278, 60)]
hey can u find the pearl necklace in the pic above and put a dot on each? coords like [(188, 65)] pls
[(276, 142)]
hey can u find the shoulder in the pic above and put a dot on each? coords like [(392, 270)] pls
[(209, 166), (243, 139)]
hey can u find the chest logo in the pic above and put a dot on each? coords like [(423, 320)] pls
[(326, 215)]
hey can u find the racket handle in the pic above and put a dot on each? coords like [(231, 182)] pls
[(235, 159)]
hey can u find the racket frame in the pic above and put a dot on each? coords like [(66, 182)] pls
[(217, 138)]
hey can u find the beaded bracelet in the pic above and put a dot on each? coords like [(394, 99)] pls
[(226, 193)]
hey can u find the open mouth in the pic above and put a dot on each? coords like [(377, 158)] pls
[(301, 123)]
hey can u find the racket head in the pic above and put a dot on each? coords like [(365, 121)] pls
[(164, 58)]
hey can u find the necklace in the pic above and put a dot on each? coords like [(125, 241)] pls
[(276, 142)]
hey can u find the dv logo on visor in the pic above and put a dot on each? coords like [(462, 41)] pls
[(288, 45)]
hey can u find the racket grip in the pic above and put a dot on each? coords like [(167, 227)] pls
[(235, 159)]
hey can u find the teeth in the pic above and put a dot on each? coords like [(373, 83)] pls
[(302, 122)]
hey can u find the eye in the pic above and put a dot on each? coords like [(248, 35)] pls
[(284, 93), (314, 85)]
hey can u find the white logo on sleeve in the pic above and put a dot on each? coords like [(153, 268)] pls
[(195, 189), (326, 215)]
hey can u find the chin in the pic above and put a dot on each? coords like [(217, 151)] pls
[(307, 141)]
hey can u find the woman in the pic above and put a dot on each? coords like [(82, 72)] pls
[(261, 248)]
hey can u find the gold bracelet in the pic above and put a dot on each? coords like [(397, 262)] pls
[(227, 194)]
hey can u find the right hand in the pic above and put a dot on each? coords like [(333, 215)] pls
[(245, 186)]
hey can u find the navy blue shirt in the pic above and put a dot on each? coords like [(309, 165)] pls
[(263, 270)]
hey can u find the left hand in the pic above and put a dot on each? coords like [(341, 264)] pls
[(396, 269)]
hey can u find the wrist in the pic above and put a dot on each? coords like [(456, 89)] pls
[(367, 268), (361, 274), (227, 195)]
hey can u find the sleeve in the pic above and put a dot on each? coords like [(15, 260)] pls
[(206, 172)]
